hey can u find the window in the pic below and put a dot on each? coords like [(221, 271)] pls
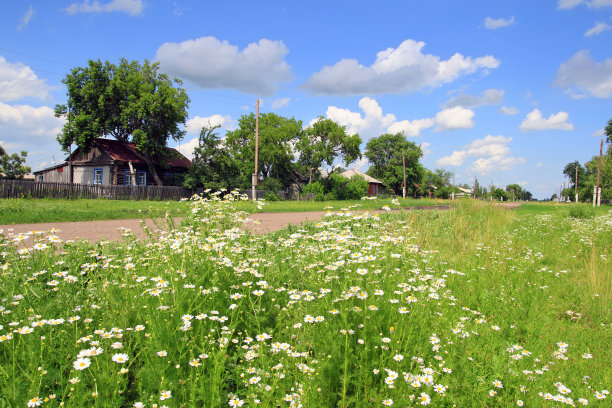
[(39, 178), (97, 176), (142, 178), (128, 178)]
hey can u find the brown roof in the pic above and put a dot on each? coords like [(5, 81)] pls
[(122, 151)]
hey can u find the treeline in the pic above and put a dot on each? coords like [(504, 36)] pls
[(291, 155)]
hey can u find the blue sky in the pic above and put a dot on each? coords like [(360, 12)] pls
[(506, 91)]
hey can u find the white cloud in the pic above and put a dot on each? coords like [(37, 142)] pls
[(489, 97), (411, 128), (130, 7), (454, 160), (597, 29), (570, 4), (396, 70), (26, 18), (599, 133), (195, 125), (25, 127), (361, 164), (508, 110), (495, 23), (425, 148), (18, 81), (454, 118), (279, 103), (582, 74), (210, 63), (535, 121), (493, 151), (371, 124)]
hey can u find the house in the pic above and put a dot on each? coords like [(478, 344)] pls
[(374, 186), (111, 162), (464, 191)]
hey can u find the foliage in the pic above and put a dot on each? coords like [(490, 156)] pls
[(212, 165), (277, 138), (272, 184), (608, 131), (514, 191), (13, 166), (500, 194), (129, 101), (323, 142), (385, 154), (271, 196), (315, 187), (581, 211), (354, 189)]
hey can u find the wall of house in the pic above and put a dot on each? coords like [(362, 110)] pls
[(58, 175), (85, 174)]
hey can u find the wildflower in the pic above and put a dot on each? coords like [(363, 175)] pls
[(195, 362), (388, 402), (498, 384), (492, 393), (120, 358), (235, 402), (520, 403), (425, 399), (34, 402), (162, 353), (254, 380), (74, 380), (164, 395), (398, 357), (81, 363)]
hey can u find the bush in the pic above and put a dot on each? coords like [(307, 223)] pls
[(271, 196), (442, 192), (272, 184), (356, 188), (315, 187), (581, 211)]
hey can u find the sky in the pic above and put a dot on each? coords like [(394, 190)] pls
[(505, 91)]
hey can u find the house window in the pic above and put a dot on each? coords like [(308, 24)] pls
[(142, 178), (39, 178), (97, 176), (128, 178)]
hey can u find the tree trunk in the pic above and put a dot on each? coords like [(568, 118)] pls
[(153, 171)]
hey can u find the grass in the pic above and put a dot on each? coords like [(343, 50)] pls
[(472, 307), (30, 211)]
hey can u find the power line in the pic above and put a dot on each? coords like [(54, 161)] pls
[(33, 56)]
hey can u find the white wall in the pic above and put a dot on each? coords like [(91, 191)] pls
[(85, 175)]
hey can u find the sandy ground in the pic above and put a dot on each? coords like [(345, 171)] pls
[(112, 230)]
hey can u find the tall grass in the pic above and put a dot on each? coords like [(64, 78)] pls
[(471, 307)]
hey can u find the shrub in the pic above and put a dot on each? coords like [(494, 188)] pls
[(356, 188), (272, 184), (581, 211), (271, 196)]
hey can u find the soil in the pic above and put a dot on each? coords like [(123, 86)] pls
[(112, 230)]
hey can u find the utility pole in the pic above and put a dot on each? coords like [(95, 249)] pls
[(576, 184), (597, 190), (453, 192), (254, 189), (404, 164)]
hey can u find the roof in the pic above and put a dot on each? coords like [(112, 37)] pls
[(353, 172), (123, 151), (465, 190)]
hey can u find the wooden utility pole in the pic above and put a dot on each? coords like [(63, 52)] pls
[(597, 190), (404, 164), (254, 190)]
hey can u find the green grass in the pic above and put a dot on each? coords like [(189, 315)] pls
[(26, 211), (477, 306)]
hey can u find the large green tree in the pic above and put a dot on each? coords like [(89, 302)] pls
[(277, 138), (514, 191), (323, 142), (13, 166), (131, 102), (212, 165), (385, 155), (608, 131)]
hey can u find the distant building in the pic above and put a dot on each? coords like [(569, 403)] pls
[(374, 186), (111, 162)]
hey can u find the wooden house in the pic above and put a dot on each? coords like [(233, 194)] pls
[(111, 162)]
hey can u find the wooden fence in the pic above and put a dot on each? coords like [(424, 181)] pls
[(32, 189)]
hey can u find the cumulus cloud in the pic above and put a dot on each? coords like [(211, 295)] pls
[(210, 63), (597, 29), (425, 148), (493, 154), (489, 97), (371, 124), (508, 110), (130, 7), (26, 18), (27, 127), (535, 121), (454, 118), (396, 70), (570, 4), (582, 76), (280, 102), (411, 128), (495, 23), (18, 81), (195, 125)]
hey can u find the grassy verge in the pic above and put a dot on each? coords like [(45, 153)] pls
[(477, 306)]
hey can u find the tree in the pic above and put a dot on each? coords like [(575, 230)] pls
[(605, 182), (325, 141), (385, 154), (277, 138), (12, 166), (130, 102), (212, 166), (570, 172), (514, 191), (609, 132), (499, 194)]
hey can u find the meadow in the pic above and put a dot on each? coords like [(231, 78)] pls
[(476, 306)]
